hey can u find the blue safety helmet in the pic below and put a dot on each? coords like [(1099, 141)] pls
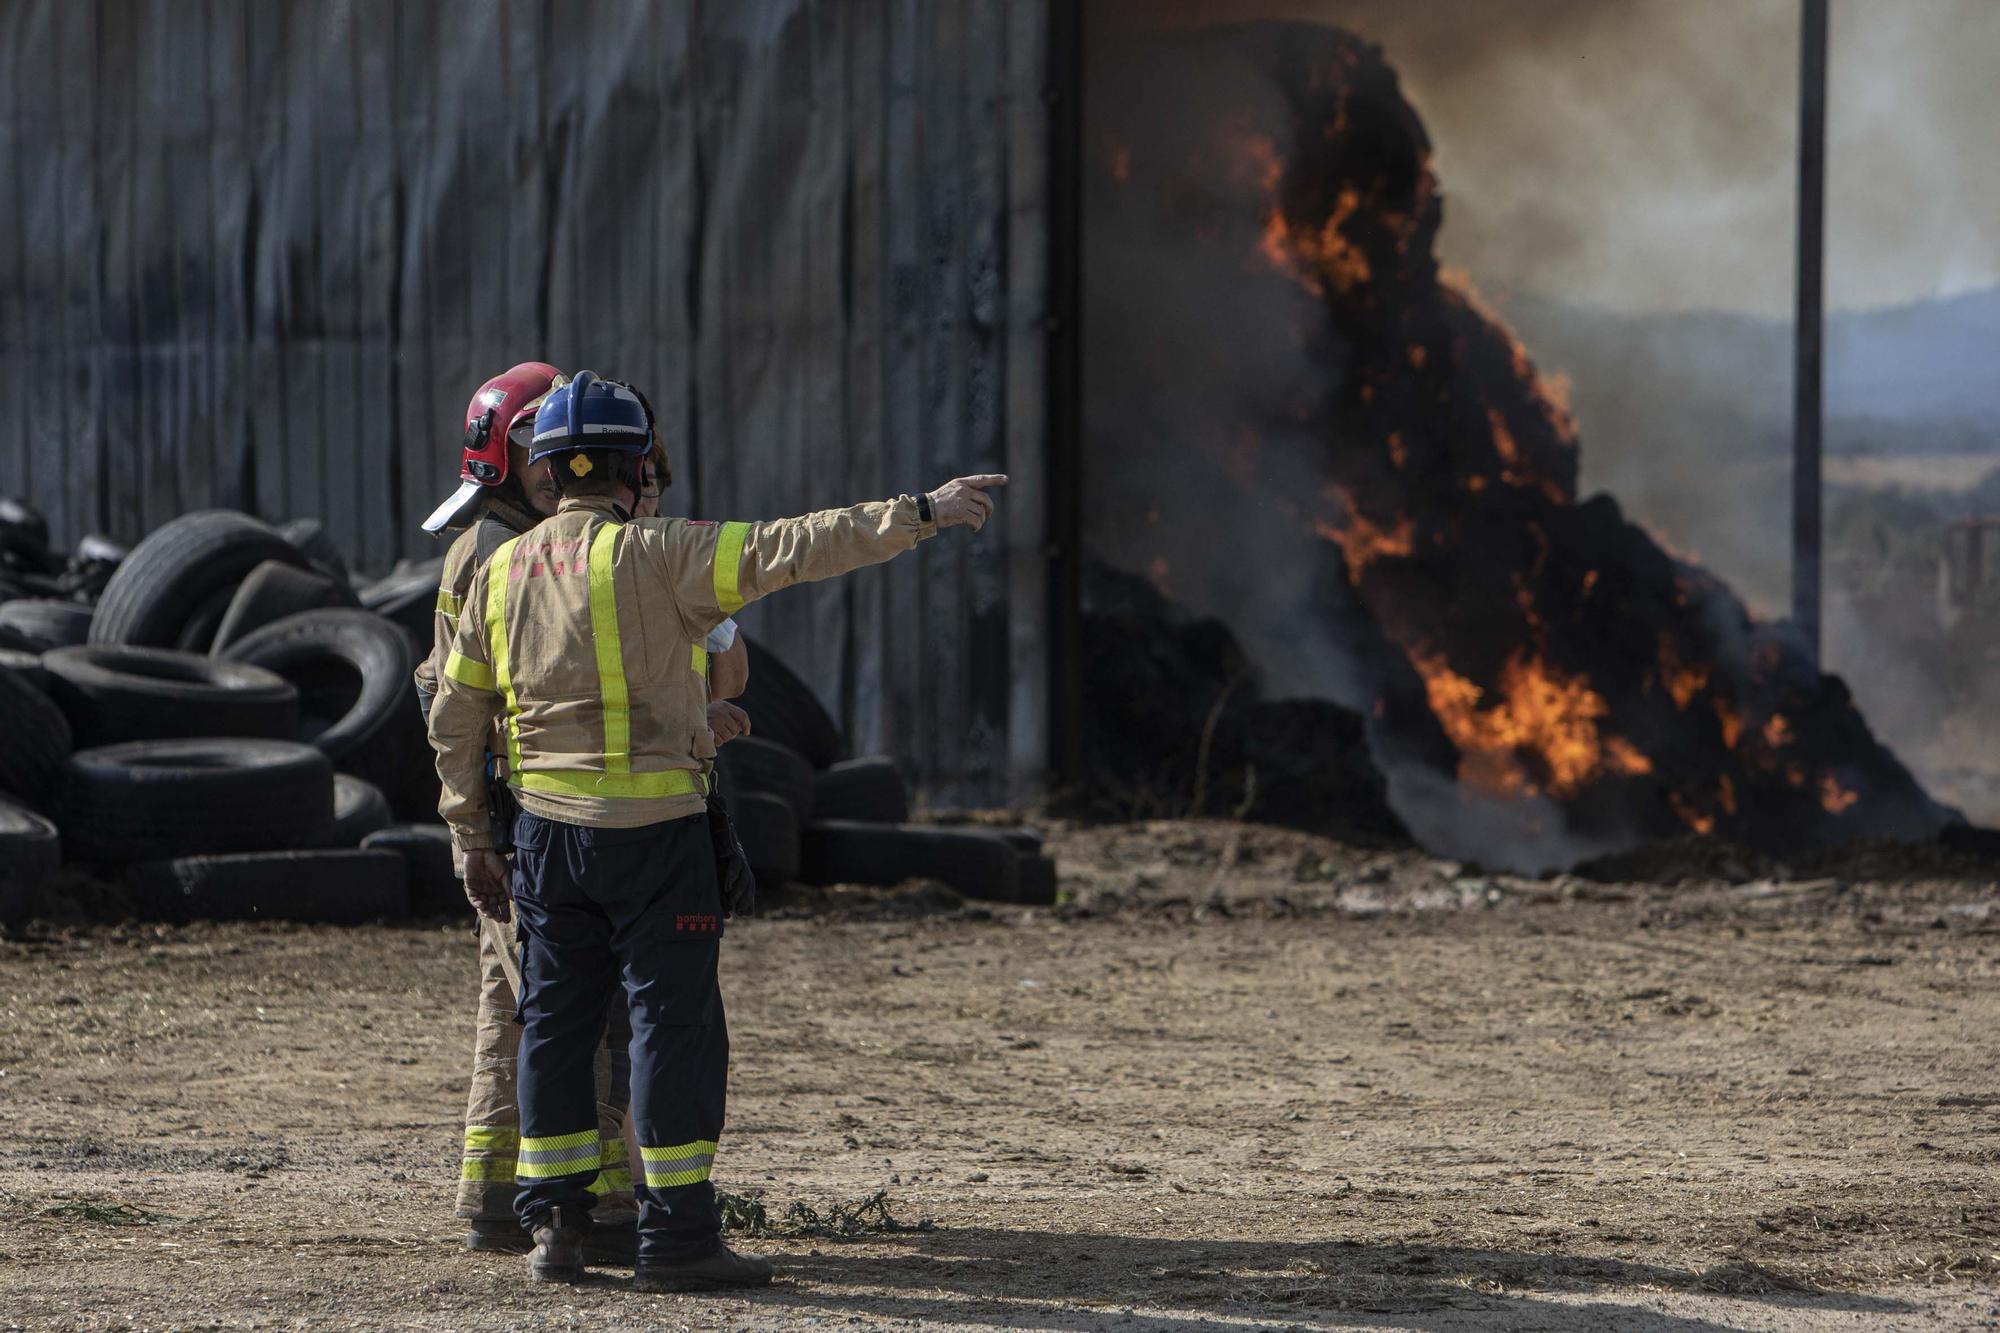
[(591, 413)]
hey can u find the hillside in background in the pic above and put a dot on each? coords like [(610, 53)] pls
[(1916, 378)]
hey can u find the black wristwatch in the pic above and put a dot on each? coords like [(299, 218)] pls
[(923, 507)]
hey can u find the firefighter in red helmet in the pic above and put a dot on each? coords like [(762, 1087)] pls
[(501, 495)]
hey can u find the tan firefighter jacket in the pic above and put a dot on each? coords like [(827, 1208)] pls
[(580, 637), (497, 522)]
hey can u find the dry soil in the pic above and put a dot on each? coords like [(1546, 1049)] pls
[(1243, 1079)]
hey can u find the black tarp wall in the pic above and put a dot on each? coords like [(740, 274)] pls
[(258, 253)]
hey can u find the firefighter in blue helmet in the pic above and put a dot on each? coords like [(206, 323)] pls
[(576, 639)]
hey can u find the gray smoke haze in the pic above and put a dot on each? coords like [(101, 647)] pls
[(1639, 154)]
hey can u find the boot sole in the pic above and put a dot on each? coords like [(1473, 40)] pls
[(549, 1273), (498, 1244)]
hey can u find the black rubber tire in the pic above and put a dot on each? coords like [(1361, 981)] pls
[(408, 598), (976, 864), (26, 666), (94, 548), (49, 621), (148, 800), (316, 544), (359, 809), (784, 709), (23, 520), (352, 670), (24, 538), (340, 887), (274, 591), (770, 837), (753, 766), (37, 742), (870, 790), (180, 575), (30, 852), (113, 693), (1027, 841), (1038, 881), (435, 889)]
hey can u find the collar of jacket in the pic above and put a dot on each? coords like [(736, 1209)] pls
[(505, 511), (602, 505)]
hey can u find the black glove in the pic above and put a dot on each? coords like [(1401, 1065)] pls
[(732, 867)]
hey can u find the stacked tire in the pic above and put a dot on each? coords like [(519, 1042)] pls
[(804, 811), (233, 785)]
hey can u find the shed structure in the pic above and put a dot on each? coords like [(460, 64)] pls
[(258, 253)]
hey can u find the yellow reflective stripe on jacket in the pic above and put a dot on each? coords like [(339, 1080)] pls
[(583, 782), (681, 1164), (449, 602), (728, 564), (700, 662), (466, 671), (610, 654), (498, 569)]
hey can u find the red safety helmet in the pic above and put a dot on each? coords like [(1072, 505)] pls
[(501, 403)]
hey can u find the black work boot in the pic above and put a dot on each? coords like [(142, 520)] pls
[(721, 1267), (497, 1236), (614, 1243), (558, 1255)]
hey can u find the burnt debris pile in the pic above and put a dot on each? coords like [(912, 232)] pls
[(1359, 468)]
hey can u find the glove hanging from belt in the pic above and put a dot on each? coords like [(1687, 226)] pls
[(732, 867)]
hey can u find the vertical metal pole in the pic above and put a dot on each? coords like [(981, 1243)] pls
[(1065, 389), (1808, 330)]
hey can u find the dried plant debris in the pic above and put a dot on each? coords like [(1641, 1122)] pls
[(747, 1215)]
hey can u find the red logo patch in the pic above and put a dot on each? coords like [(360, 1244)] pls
[(698, 923)]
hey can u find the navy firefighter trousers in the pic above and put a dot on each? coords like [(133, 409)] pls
[(597, 908)]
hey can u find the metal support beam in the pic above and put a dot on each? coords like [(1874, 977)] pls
[(1065, 390), (1808, 326)]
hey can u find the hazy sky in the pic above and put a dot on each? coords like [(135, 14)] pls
[(1641, 154)]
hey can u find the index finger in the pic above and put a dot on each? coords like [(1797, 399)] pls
[(985, 479)]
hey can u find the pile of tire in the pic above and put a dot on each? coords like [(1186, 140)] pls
[(804, 811), (224, 723), (212, 721)]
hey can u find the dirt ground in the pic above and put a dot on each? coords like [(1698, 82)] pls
[(1244, 1079)]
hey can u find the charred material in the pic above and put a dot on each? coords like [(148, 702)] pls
[(1592, 690)]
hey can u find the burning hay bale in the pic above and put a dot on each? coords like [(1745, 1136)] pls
[(1389, 485)]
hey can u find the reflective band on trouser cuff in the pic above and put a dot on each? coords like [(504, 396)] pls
[(615, 1177), (682, 1164), (467, 672), (496, 1145), (611, 693), (560, 1155), (728, 564), (499, 568)]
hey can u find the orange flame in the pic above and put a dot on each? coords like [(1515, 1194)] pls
[(1690, 814), (1540, 712), (1732, 724), (1363, 543), (1683, 681), (1834, 798), (1318, 258)]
